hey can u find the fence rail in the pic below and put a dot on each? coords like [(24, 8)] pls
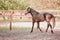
[(26, 16), (23, 16)]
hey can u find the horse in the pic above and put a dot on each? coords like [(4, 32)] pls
[(41, 17)]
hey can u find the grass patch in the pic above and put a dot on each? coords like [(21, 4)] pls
[(21, 28), (14, 28), (4, 28)]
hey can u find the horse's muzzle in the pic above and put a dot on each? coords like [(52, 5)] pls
[(26, 13)]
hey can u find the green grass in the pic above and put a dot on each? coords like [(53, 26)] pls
[(21, 28), (4, 28), (14, 28)]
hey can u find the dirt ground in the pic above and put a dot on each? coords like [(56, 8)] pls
[(26, 35)]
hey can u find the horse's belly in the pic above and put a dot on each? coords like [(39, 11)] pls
[(40, 20)]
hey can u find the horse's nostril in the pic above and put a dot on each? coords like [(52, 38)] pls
[(25, 13)]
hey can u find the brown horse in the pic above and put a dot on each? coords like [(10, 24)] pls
[(40, 17)]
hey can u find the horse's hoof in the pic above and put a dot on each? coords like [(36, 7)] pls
[(46, 30), (31, 31), (41, 30), (52, 32)]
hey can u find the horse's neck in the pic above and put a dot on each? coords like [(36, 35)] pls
[(33, 12)]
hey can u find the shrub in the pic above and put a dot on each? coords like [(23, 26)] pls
[(13, 4)]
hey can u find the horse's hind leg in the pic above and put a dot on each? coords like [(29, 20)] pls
[(32, 26), (51, 28), (48, 18), (38, 26)]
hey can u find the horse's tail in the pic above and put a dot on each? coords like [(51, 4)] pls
[(53, 22)]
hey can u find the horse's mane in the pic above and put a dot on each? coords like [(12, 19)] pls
[(34, 11)]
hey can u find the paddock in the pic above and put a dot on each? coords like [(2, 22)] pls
[(24, 34), (17, 26)]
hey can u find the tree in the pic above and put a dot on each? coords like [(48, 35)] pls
[(13, 4)]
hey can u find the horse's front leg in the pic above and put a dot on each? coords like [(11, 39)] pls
[(38, 26), (32, 26)]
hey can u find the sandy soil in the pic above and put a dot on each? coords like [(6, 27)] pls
[(26, 35)]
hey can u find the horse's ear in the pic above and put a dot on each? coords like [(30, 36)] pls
[(28, 9)]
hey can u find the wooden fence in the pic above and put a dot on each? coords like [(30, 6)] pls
[(11, 14)]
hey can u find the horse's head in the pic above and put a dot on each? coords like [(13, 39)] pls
[(28, 10)]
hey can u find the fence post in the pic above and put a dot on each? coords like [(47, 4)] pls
[(10, 22)]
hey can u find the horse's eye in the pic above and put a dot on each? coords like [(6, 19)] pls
[(28, 9)]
